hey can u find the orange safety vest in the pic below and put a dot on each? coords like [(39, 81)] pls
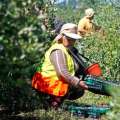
[(47, 80)]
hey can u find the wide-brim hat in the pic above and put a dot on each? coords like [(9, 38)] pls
[(69, 30), (72, 36), (89, 12)]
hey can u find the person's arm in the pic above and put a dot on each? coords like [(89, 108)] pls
[(58, 59), (96, 27)]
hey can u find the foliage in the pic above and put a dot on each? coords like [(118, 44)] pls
[(22, 44), (102, 48), (105, 49)]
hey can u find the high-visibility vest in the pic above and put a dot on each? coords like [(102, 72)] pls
[(47, 80)]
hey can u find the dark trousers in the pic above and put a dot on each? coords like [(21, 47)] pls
[(49, 101)]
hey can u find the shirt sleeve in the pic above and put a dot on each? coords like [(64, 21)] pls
[(58, 59)]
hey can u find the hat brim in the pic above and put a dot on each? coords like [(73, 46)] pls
[(73, 36)]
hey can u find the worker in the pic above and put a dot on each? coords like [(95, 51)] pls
[(56, 79), (86, 25)]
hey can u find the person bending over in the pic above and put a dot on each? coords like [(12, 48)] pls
[(57, 79)]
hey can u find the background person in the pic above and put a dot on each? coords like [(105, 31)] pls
[(86, 25)]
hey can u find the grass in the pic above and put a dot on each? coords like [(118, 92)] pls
[(41, 114)]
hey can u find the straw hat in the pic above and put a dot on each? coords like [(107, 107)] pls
[(89, 12)]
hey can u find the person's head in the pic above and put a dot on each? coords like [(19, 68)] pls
[(89, 13), (68, 35)]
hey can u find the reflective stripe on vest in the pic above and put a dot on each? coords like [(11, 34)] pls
[(46, 80)]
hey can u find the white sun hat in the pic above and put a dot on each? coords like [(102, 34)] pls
[(89, 12), (72, 36), (69, 30)]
